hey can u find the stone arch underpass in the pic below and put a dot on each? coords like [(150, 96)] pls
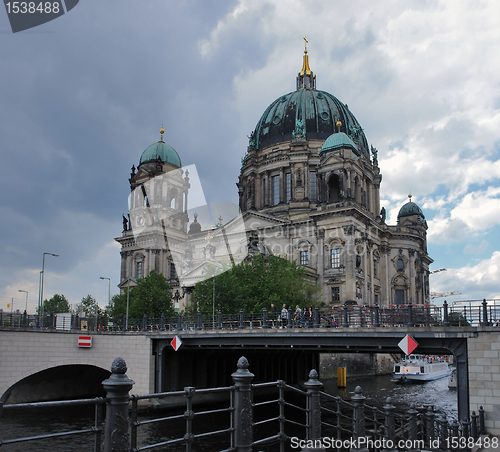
[(29, 356)]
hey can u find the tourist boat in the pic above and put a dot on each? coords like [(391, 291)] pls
[(418, 368)]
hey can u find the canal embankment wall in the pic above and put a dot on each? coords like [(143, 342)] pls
[(356, 364)]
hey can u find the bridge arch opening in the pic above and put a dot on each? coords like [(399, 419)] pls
[(66, 382)]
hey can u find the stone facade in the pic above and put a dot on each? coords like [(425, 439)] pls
[(484, 376)]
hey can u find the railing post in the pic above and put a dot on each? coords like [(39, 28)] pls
[(179, 321), (474, 430), (413, 427), (219, 320), (443, 431), (198, 321), (455, 428), (358, 419), (482, 429), (446, 320), (189, 416), (264, 319), (241, 323), (410, 315), (465, 426), (346, 319), (117, 387), (316, 317), (243, 411), (390, 427), (144, 321), (289, 322), (162, 322), (376, 322), (429, 426), (313, 423), (485, 313)]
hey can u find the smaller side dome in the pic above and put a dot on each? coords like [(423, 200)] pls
[(337, 141), (162, 151), (410, 209)]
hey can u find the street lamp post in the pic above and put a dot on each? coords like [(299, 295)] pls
[(109, 288), (40, 298), (26, 292), (177, 296)]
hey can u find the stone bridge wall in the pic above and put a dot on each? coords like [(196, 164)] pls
[(24, 353), (484, 376)]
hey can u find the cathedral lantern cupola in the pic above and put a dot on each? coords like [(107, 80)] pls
[(306, 78)]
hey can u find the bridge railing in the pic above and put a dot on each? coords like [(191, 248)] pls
[(469, 313), (271, 415)]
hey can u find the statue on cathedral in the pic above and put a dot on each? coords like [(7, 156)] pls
[(354, 131), (382, 214), (252, 142), (125, 224), (132, 174), (374, 154), (300, 129)]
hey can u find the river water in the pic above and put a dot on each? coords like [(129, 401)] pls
[(375, 389)]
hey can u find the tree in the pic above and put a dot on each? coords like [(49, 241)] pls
[(151, 297), (90, 307), (58, 303), (255, 284)]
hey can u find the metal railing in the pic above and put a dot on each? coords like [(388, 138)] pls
[(282, 417), (95, 430), (470, 313)]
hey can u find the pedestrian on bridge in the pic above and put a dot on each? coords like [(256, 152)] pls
[(284, 316)]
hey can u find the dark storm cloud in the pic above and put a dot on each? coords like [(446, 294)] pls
[(79, 105)]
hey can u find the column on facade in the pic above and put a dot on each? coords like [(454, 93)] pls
[(372, 275), (267, 190), (376, 204), (123, 270), (369, 196), (282, 185), (307, 185), (411, 273), (258, 190)]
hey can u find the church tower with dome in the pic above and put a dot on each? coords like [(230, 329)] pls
[(157, 205), (309, 189)]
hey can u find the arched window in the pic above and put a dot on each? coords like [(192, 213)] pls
[(400, 264)]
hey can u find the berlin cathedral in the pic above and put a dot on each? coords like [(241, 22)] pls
[(309, 191)]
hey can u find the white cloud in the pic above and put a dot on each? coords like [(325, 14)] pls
[(474, 282), (480, 210)]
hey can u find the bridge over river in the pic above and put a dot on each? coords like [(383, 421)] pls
[(38, 364)]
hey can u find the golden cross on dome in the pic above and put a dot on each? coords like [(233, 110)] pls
[(305, 44), (208, 237)]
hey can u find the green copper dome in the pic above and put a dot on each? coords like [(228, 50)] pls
[(316, 111), (307, 113), (337, 141), (162, 151), (409, 209)]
